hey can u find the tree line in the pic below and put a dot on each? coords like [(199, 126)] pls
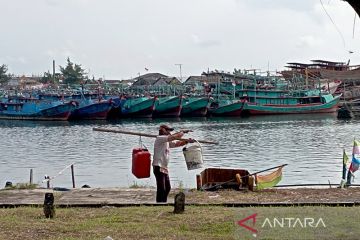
[(72, 73)]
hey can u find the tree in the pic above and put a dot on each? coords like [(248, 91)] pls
[(72, 73), (4, 78)]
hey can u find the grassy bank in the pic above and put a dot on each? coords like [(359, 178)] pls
[(119, 223), (160, 223)]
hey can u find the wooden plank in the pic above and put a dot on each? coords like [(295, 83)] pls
[(144, 134)]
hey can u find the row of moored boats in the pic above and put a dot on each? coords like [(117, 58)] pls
[(245, 102)]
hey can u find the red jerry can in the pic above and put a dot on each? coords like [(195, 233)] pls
[(141, 163)]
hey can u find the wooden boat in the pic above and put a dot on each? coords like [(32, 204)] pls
[(263, 102), (88, 109), (216, 178), (138, 107), (168, 106), (226, 108), (35, 109), (195, 106)]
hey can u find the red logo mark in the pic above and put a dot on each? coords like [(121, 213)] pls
[(242, 223)]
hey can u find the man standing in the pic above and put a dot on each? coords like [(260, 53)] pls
[(162, 146)]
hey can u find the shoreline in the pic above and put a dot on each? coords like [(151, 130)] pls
[(127, 197)]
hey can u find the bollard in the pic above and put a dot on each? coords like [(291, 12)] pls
[(49, 209), (179, 203), (8, 184)]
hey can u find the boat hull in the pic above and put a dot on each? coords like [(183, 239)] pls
[(196, 108), (94, 111), (143, 109), (229, 110), (171, 107), (57, 113), (254, 109)]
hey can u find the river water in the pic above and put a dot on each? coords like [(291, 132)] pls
[(312, 145)]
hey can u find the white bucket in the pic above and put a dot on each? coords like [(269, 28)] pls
[(193, 156)]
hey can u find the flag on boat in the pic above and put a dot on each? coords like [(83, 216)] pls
[(354, 166), (269, 180), (356, 147)]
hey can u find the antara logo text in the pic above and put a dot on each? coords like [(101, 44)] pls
[(288, 222)]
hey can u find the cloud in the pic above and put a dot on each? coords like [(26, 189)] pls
[(296, 5), (309, 41), (204, 43)]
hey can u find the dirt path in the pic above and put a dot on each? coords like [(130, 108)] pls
[(123, 196)]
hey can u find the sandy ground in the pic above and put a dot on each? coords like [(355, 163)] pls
[(126, 196)]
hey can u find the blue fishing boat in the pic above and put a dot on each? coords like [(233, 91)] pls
[(20, 108), (168, 106), (138, 107), (267, 102), (89, 109), (195, 106)]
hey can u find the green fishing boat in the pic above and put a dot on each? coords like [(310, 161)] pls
[(195, 106), (168, 106), (267, 102), (227, 108), (138, 107)]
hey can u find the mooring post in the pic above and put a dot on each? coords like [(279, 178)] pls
[(48, 181), (73, 175), (179, 203), (198, 182), (49, 209), (31, 176)]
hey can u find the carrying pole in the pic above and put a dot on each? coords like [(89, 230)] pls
[(144, 134)]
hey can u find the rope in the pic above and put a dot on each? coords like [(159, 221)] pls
[(342, 37), (59, 173)]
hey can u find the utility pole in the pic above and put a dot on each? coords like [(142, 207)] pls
[(179, 64), (53, 71)]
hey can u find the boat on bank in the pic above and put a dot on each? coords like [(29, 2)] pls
[(169, 106), (263, 102), (195, 106), (138, 107), (20, 108)]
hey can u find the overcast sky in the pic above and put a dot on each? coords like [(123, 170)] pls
[(118, 39)]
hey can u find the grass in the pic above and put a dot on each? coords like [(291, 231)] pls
[(22, 186), (158, 222)]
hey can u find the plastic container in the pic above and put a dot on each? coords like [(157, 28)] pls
[(193, 156), (141, 163)]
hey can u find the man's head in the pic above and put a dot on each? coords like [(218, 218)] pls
[(165, 129)]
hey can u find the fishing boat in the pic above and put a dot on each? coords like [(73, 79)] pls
[(215, 178), (168, 106), (227, 108), (264, 102), (20, 108), (138, 107), (89, 109), (195, 106)]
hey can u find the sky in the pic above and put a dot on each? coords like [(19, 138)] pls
[(117, 39)]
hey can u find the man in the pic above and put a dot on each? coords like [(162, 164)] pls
[(162, 146)]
